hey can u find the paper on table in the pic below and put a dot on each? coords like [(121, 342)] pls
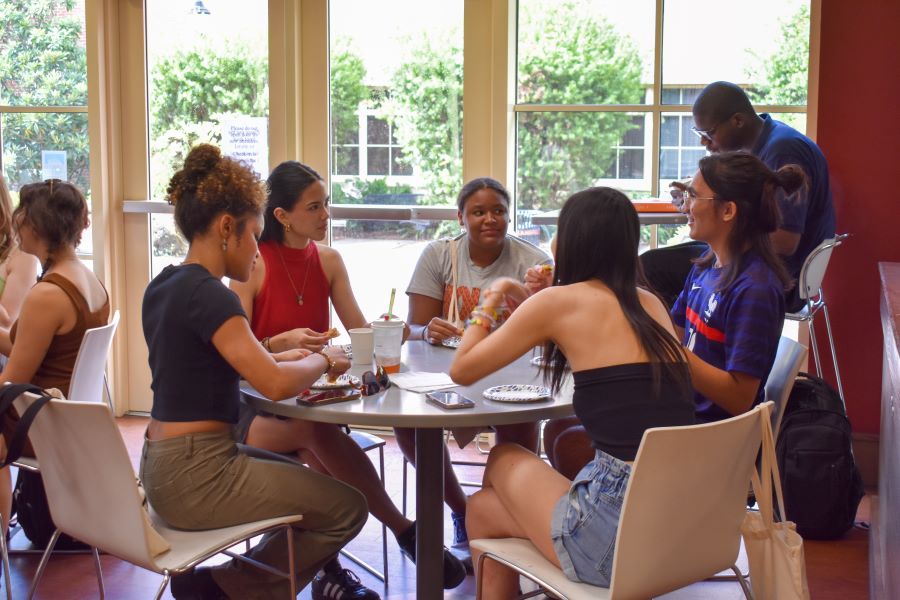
[(418, 381)]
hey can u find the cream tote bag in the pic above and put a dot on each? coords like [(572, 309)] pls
[(774, 549)]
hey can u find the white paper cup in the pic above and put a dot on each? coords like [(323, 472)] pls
[(388, 340), (362, 343)]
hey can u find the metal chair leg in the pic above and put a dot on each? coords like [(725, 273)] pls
[(810, 324), (163, 585), (837, 372), (5, 552), (384, 554), (748, 594), (99, 570), (292, 572), (43, 564)]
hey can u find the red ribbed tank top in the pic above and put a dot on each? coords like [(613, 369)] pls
[(275, 308)]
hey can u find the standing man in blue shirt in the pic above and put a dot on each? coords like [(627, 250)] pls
[(724, 120)]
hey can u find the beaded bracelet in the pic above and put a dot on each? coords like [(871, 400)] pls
[(482, 320)]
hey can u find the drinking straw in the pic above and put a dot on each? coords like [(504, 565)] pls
[(387, 317)]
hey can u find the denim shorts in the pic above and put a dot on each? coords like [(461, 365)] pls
[(585, 520)]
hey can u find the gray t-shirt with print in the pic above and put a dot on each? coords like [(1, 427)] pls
[(433, 276)]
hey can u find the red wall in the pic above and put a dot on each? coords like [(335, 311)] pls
[(859, 132)]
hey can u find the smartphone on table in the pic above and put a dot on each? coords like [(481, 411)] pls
[(449, 400), (319, 398)]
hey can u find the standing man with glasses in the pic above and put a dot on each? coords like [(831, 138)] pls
[(724, 120)]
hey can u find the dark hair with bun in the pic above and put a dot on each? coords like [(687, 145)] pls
[(480, 183), (285, 185), (210, 184), (744, 179), (57, 212)]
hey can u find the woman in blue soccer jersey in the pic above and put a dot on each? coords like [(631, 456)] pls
[(731, 310)]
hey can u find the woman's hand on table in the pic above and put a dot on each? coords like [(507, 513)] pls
[(538, 277), (439, 330)]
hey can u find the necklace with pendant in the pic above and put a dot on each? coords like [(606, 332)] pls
[(299, 294)]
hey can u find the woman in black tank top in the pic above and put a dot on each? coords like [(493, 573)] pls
[(630, 375)]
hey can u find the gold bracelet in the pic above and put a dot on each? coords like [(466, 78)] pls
[(331, 363), (267, 344)]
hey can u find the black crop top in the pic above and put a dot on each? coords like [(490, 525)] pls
[(183, 307), (616, 404)]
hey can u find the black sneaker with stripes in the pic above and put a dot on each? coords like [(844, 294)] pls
[(341, 585)]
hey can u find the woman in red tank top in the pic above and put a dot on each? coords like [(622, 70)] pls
[(286, 300), (67, 299)]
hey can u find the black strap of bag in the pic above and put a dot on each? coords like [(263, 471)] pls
[(8, 395)]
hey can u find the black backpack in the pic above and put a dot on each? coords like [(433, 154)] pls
[(821, 483), (29, 498)]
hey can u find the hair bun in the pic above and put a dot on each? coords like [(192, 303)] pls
[(790, 178), (200, 162)]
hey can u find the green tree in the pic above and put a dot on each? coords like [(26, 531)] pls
[(43, 63), (784, 74), (425, 106), (348, 92), (566, 57), (192, 92)]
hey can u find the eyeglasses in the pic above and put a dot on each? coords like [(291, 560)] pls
[(372, 383), (681, 195), (706, 134)]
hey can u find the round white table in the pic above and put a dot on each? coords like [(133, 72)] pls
[(401, 408)]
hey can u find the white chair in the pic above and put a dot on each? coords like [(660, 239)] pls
[(102, 507), (681, 515), (87, 383), (89, 373), (809, 286), (789, 360)]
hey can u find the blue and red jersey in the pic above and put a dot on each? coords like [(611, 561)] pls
[(735, 329)]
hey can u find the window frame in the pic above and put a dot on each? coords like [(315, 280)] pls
[(299, 130)]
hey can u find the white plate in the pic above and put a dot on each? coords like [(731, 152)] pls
[(452, 342), (342, 381), (517, 392)]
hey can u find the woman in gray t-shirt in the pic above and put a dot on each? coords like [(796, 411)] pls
[(445, 287)]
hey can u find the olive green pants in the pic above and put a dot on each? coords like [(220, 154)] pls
[(202, 481)]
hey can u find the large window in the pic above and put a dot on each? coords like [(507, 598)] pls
[(396, 130), (207, 69), (43, 96), (602, 101)]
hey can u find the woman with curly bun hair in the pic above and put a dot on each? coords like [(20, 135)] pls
[(200, 346), (68, 299)]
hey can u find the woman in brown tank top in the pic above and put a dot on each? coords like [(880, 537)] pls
[(67, 299)]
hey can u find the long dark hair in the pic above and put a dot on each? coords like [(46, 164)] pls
[(746, 180), (598, 239), (285, 185)]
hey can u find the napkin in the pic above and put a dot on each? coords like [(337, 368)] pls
[(418, 381)]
